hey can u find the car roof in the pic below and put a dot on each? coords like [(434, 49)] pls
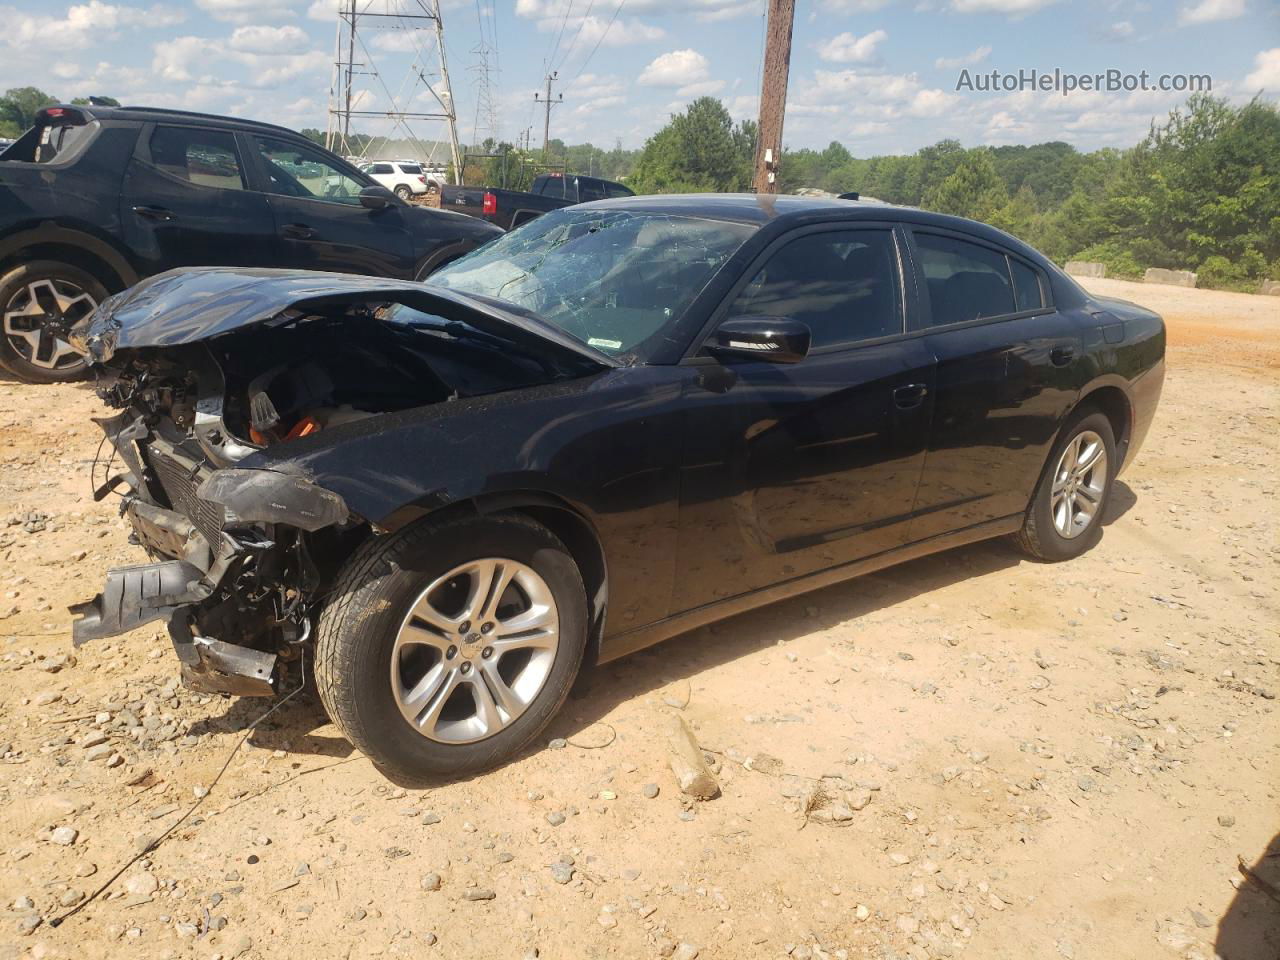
[(151, 114), (782, 210)]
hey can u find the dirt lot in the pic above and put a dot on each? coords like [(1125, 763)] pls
[(1039, 761)]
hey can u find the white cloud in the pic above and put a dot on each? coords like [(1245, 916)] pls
[(965, 60), (1266, 72), (1120, 30), (190, 58), (847, 48), (242, 11), (1207, 11), (854, 6), (678, 68), (269, 40), (599, 103), (1011, 8), (84, 24), (582, 32), (702, 88), (397, 41)]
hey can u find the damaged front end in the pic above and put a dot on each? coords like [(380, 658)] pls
[(208, 368)]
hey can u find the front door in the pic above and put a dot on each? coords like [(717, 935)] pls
[(319, 220), (186, 201), (1007, 369), (789, 469)]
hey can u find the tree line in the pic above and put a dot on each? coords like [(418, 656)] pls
[(1201, 191)]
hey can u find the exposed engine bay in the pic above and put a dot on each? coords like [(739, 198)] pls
[(241, 555)]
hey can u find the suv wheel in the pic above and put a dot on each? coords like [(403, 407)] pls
[(447, 647), (39, 304), (1064, 518), (403, 192)]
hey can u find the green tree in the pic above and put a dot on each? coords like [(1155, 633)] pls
[(18, 109), (973, 189), (699, 150)]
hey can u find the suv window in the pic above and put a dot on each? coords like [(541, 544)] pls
[(966, 281), (297, 171), (843, 285), (207, 158), (380, 168), (410, 168)]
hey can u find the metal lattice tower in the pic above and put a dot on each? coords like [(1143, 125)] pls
[(420, 23)]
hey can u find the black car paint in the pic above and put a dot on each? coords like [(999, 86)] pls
[(105, 206), (705, 487)]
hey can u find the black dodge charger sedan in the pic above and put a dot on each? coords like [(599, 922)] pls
[(622, 421)]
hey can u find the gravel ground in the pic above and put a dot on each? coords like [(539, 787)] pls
[(968, 755)]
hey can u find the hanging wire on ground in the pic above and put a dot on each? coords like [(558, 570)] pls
[(155, 844)]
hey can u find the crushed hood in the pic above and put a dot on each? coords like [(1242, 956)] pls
[(191, 305)]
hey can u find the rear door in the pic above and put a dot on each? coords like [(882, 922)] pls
[(186, 201), (320, 223), (1007, 371), (793, 468)]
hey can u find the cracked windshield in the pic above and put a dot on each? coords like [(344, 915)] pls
[(610, 279)]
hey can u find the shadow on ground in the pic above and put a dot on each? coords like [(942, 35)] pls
[(600, 690), (1250, 929)]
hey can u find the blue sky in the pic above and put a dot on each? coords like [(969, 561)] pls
[(878, 75)]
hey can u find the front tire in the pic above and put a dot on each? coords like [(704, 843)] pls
[(403, 192), (445, 648), (39, 303), (1064, 518)]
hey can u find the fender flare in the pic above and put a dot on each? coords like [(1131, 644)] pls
[(51, 232)]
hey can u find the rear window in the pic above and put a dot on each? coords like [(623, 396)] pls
[(966, 281), (549, 186), (413, 168), (49, 143), (206, 158)]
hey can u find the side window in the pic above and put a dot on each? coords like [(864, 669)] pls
[(589, 189), (207, 158), (294, 171), (842, 284), (613, 190), (965, 280), (381, 169), (1026, 286)]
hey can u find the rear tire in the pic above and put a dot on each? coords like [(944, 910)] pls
[(403, 192), (423, 697), (1064, 518), (39, 302)]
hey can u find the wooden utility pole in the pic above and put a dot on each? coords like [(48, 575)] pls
[(546, 123), (773, 94)]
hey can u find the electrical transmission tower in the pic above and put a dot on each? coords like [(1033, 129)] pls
[(420, 32)]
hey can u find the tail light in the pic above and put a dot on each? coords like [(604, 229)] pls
[(490, 203), (422, 179)]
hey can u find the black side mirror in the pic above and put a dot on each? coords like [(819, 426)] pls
[(775, 339), (376, 197)]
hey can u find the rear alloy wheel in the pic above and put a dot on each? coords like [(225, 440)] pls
[(403, 192), (446, 647), (39, 304), (1064, 518)]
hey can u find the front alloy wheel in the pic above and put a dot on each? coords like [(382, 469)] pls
[(1079, 481), (446, 647), (475, 650)]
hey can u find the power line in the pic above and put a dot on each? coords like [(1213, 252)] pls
[(581, 23), (608, 26)]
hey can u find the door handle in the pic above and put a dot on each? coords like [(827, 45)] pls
[(912, 395), (298, 231), (154, 213), (1061, 356)]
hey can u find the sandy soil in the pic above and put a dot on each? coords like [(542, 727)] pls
[(1051, 761)]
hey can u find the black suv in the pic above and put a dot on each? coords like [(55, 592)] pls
[(93, 199)]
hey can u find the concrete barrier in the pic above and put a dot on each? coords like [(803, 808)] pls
[(1086, 268), (1269, 288), (1176, 278)]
